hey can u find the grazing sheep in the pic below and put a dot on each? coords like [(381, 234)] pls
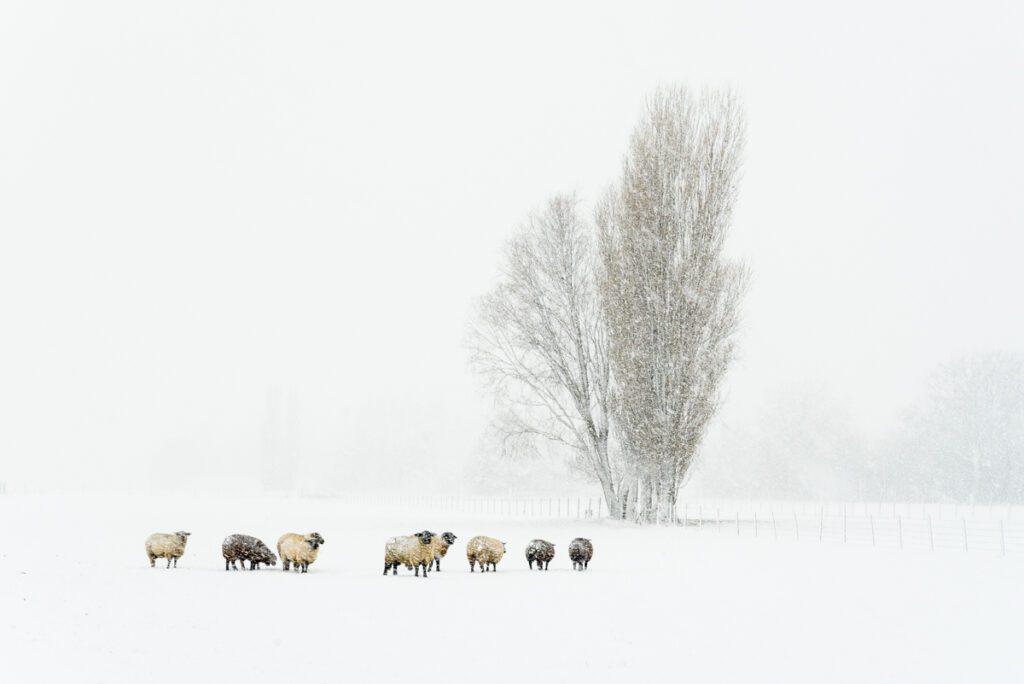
[(242, 547), (441, 544), (169, 546), (540, 551), (412, 551), (487, 551), (580, 553), (298, 550)]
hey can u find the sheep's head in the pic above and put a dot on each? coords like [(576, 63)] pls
[(503, 547), (425, 536), (449, 538), (265, 555), (314, 540), (183, 536)]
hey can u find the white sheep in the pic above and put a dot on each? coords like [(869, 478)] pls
[(487, 551), (413, 551), (440, 543), (169, 546), (298, 550)]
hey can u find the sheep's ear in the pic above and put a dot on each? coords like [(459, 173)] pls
[(418, 534)]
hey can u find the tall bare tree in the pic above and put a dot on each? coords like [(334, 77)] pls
[(670, 298), (540, 340)]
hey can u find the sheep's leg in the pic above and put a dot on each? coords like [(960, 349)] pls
[(387, 566), (546, 564), (586, 564), (226, 564), (284, 565), (424, 569), (168, 561), (152, 561), (175, 561), (471, 565)]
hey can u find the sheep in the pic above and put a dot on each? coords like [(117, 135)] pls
[(412, 551), (440, 544), (540, 551), (487, 551), (169, 546), (580, 553), (242, 547), (298, 550)]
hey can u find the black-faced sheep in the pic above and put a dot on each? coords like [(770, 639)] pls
[(580, 553), (169, 546), (298, 550), (440, 544), (413, 551), (242, 547), (487, 551), (540, 551)]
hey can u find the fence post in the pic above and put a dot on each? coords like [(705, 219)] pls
[(796, 525), (775, 530), (899, 531), (1002, 538), (931, 535), (821, 524), (737, 523), (718, 517), (871, 519), (963, 523)]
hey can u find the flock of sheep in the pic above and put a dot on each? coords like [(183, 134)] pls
[(420, 550)]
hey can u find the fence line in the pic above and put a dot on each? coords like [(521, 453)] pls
[(931, 527)]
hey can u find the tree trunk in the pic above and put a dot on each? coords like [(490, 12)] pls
[(610, 497), (628, 492)]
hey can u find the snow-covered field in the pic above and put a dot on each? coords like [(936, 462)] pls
[(79, 601)]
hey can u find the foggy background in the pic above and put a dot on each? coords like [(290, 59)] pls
[(240, 243)]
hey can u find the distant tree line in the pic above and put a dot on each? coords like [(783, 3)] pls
[(962, 442)]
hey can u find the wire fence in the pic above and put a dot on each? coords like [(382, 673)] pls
[(920, 526)]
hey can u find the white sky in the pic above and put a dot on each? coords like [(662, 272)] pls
[(200, 200)]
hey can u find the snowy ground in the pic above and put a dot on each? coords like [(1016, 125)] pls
[(79, 600)]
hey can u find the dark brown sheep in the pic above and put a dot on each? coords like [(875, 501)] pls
[(540, 551), (242, 547), (580, 553)]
